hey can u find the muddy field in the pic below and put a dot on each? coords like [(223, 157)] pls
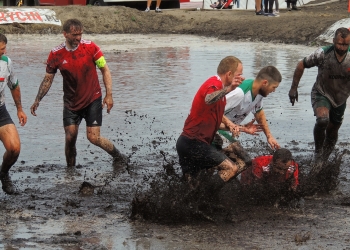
[(145, 206)]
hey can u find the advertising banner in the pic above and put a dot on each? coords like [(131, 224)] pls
[(28, 15)]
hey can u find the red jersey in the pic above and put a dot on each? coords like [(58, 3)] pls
[(261, 169), (80, 81), (204, 120)]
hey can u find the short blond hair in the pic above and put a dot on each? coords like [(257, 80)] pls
[(229, 63)]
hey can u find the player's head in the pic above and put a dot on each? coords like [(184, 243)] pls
[(341, 41), (281, 161), (72, 31), (270, 79), (3, 42), (230, 70)]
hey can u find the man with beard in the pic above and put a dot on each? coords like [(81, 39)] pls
[(77, 60), (328, 95), (248, 98)]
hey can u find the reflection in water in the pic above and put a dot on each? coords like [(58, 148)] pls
[(153, 89)]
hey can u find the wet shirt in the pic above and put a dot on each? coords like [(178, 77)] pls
[(204, 120), (7, 77), (78, 68), (240, 102), (260, 169), (333, 78)]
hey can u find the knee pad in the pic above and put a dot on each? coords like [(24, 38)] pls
[(322, 122)]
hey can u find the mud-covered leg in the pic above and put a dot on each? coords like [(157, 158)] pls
[(330, 141), (10, 138), (71, 133), (94, 136), (322, 121), (236, 152)]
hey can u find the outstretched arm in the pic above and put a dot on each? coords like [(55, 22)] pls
[(227, 124), (43, 89), (298, 73), (16, 95), (261, 119), (107, 80)]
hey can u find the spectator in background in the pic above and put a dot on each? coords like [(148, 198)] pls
[(277, 11), (237, 3), (157, 6), (258, 9), (269, 8), (293, 3)]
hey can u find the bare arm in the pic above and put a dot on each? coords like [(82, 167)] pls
[(43, 89), (107, 80), (261, 119), (227, 124), (16, 95), (216, 96), (298, 73)]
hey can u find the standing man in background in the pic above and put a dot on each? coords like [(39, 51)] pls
[(8, 132), (258, 8), (77, 60), (157, 6)]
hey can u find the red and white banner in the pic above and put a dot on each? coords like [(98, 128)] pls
[(28, 15)]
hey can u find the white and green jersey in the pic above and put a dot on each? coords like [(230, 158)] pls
[(7, 77), (240, 102)]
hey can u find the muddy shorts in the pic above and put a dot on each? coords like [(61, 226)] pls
[(92, 115), (195, 155), (336, 115), (5, 117)]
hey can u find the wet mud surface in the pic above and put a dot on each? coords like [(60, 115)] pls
[(146, 205)]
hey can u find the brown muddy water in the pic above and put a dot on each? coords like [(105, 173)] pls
[(154, 80)]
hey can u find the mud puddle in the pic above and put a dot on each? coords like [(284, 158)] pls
[(154, 84)]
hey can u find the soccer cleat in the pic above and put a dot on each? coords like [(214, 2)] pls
[(147, 10), (120, 160), (158, 10), (7, 184)]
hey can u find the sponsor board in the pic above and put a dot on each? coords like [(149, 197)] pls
[(28, 15)]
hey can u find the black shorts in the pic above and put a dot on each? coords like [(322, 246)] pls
[(92, 115), (5, 117), (336, 115), (195, 155)]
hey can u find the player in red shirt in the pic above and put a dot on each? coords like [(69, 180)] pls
[(206, 116), (77, 60), (273, 170)]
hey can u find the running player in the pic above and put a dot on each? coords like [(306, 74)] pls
[(206, 115), (328, 95), (248, 98), (77, 60), (8, 132)]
